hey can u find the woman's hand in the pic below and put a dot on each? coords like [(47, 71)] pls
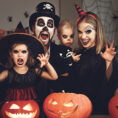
[(43, 59), (109, 53)]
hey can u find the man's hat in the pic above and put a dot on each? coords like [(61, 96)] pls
[(44, 9), (6, 42)]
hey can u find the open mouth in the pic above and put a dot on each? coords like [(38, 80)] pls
[(64, 114), (21, 115), (20, 61), (44, 36), (85, 42)]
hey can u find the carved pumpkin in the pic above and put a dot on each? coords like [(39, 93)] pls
[(20, 109), (113, 107), (67, 105)]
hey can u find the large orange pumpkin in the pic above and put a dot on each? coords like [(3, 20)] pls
[(20, 109), (67, 105), (113, 107)]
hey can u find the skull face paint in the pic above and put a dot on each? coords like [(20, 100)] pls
[(44, 29)]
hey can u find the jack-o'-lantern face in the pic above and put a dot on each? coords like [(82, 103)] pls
[(67, 105), (20, 109), (113, 107)]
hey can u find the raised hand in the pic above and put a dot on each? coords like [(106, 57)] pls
[(75, 57), (109, 52), (43, 59)]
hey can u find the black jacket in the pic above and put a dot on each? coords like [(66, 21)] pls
[(60, 58)]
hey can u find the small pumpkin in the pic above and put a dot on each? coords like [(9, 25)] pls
[(20, 109), (67, 105), (113, 107)]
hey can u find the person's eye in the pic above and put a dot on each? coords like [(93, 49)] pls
[(88, 31), (15, 51), (40, 23), (24, 51), (79, 31), (72, 36), (50, 23), (64, 36)]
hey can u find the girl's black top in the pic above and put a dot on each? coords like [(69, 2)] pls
[(21, 86)]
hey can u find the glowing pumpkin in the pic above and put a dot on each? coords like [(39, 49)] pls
[(67, 105), (113, 107), (20, 109)]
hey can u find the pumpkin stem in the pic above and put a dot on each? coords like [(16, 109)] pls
[(63, 91)]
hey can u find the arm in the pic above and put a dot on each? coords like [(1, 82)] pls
[(108, 55), (3, 75), (51, 73), (109, 69)]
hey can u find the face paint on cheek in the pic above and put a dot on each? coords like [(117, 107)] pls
[(39, 25), (51, 32), (89, 29), (38, 30)]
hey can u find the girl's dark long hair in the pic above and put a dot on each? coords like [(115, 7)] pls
[(31, 62)]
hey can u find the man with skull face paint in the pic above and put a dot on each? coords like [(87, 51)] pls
[(43, 24), (44, 29)]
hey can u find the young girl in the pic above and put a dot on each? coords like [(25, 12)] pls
[(89, 73), (23, 70)]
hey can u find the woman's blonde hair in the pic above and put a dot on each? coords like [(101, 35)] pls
[(100, 36)]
